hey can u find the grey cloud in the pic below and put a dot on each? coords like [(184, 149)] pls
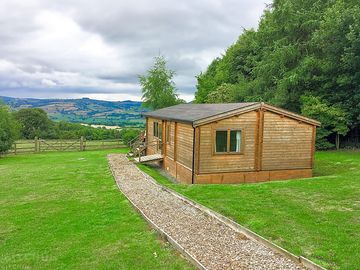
[(99, 47)]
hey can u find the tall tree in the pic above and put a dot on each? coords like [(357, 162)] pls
[(299, 48), (158, 87)]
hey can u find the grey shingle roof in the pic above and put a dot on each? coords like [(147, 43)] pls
[(194, 112)]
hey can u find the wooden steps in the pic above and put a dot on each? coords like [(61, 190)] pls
[(149, 158)]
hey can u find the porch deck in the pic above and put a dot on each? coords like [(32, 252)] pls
[(149, 158)]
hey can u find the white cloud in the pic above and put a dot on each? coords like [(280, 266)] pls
[(97, 48)]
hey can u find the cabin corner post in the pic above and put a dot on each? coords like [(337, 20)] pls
[(259, 138), (146, 134), (313, 141), (196, 154), (163, 139), (193, 157)]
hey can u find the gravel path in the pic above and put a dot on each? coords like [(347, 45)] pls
[(210, 241)]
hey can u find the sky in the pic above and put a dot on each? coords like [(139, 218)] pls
[(97, 49)]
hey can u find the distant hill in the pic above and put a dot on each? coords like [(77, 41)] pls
[(85, 110)]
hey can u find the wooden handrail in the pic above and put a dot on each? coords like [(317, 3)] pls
[(136, 139), (138, 150)]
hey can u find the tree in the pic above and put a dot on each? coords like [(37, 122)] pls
[(299, 48), (8, 129), (333, 120), (158, 87), (225, 93), (33, 122)]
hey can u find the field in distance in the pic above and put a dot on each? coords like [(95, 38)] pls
[(88, 111)]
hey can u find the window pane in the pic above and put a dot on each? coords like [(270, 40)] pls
[(168, 126), (160, 131), (235, 141), (154, 129), (221, 141)]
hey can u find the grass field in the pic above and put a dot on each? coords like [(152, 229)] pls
[(64, 211), (318, 218)]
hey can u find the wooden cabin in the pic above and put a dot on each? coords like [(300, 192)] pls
[(230, 143)]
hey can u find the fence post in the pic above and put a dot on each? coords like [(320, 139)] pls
[(15, 148), (82, 143), (36, 144)]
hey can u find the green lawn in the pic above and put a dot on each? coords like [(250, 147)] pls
[(64, 211), (318, 218)]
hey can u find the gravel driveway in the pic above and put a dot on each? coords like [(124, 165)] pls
[(214, 244)]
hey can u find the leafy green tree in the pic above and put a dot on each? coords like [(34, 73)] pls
[(299, 48), (225, 93), (333, 120), (158, 87), (8, 129), (33, 122)]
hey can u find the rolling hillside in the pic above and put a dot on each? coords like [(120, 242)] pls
[(85, 110)]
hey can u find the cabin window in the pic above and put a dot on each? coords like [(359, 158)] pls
[(168, 132), (235, 141), (156, 129), (228, 141), (159, 131), (221, 141)]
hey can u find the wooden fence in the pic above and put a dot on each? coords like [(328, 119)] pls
[(40, 145)]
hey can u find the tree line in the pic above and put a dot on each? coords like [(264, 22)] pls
[(34, 122), (304, 57)]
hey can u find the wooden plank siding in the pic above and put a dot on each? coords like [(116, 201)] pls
[(287, 143), (152, 141), (274, 147), (215, 163), (184, 145), (177, 149), (170, 143)]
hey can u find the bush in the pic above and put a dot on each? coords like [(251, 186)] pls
[(8, 129), (33, 122), (333, 120), (128, 134)]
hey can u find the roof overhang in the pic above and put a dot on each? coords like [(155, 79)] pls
[(253, 107)]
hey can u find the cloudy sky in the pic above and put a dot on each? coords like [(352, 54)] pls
[(96, 49)]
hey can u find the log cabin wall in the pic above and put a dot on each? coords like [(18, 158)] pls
[(170, 138), (287, 143), (178, 148), (152, 141), (209, 162), (275, 148)]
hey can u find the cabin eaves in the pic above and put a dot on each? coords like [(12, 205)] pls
[(200, 114)]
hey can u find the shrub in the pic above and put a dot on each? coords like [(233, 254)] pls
[(8, 129)]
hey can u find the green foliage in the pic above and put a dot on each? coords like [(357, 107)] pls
[(8, 129), (66, 130), (158, 87), (300, 47), (128, 134), (33, 122), (88, 111), (333, 119), (225, 93)]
